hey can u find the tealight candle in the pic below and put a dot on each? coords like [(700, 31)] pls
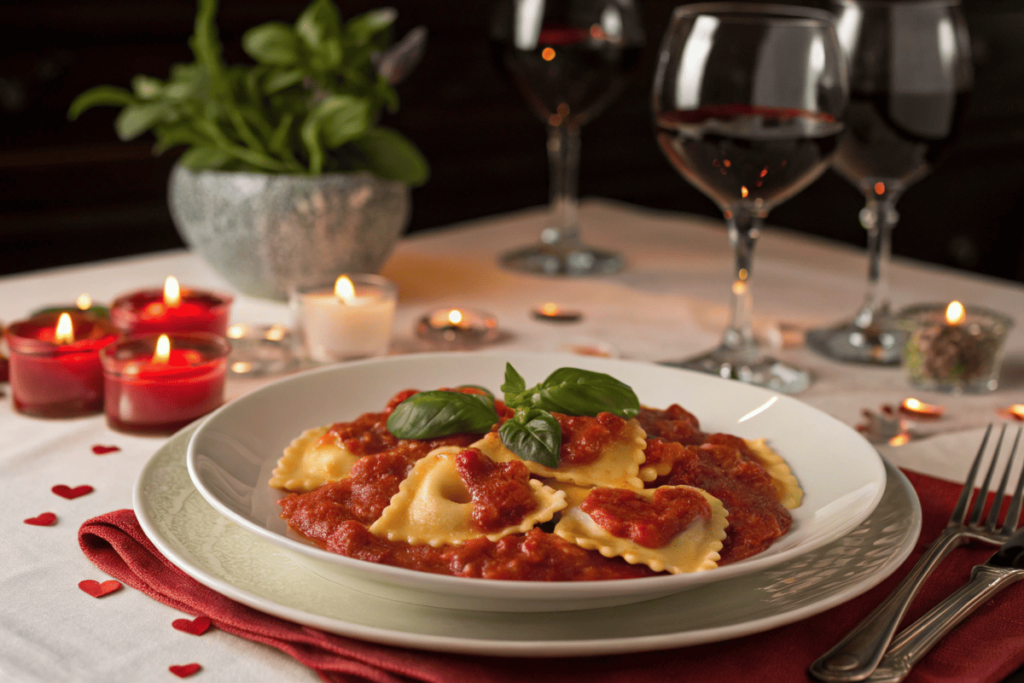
[(918, 408), (54, 364), (171, 309), (457, 327), (347, 320), (953, 347), (260, 350), (554, 313), (83, 303), (158, 383)]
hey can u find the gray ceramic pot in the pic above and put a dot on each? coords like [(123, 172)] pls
[(265, 233)]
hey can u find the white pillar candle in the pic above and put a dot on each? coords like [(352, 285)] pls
[(347, 320)]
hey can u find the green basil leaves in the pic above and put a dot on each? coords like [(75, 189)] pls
[(431, 414), (532, 433)]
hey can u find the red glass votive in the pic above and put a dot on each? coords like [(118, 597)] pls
[(145, 396), (145, 311), (51, 379)]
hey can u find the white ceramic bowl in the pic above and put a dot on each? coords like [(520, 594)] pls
[(231, 455)]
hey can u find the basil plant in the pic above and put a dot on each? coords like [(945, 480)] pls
[(310, 104)]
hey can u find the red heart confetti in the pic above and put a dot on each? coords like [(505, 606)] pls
[(71, 493), (103, 450), (45, 519), (97, 589), (184, 670), (196, 627)]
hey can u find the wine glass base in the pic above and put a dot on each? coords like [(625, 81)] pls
[(579, 260), (852, 344), (765, 372)]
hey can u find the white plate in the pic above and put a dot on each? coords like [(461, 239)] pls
[(242, 566), (232, 453)]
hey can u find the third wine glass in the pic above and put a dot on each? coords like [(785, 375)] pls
[(748, 100), (910, 72)]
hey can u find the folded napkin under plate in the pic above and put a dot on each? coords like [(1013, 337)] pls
[(984, 649)]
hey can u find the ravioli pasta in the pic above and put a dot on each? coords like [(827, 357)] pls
[(479, 510)]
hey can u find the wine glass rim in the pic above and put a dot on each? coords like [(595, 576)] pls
[(724, 9)]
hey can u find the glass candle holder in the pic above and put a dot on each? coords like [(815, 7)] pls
[(348, 319), (53, 374), (457, 328), (156, 310), (953, 348), (158, 387)]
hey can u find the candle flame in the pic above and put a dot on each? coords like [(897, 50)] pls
[(83, 302), (899, 439), (550, 309), (955, 313), (65, 333), (344, 289), (916, 407), (162, 353), (1016, 410), (172, 292), (237, 331), (455, 316)]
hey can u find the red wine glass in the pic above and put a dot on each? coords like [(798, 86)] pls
[(910, 74), (569, 59), (748, 104)]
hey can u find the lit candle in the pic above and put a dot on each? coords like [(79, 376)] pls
[(917, 408), (54, 365), (554, 313), (171, 309), (457, 327), (351, 319), (954, 347), (158, 383)]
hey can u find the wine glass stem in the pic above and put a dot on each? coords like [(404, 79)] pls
[(879, 217), (744, 229), (564, 156)]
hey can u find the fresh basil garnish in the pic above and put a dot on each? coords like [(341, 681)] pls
[(581, 392), (534, 435), (431, 414), (513, 387)]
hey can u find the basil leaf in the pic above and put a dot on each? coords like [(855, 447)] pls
[(100, 96), (533, 435), (430, 414), (272, 43), (477, 387), (581, 392), (391, 156), (513, 387)]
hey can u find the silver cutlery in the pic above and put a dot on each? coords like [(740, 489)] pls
[(855, 657), (1004, 568)]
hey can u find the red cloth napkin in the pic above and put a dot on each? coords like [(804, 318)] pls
[(984, 649)]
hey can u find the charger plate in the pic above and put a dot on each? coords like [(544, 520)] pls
[(216, 552)]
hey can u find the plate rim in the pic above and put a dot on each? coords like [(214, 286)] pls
[(499, 647), (511, 590)]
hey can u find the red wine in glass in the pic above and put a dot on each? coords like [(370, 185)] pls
[(568, 59), (759, 155), (897, 137), (567, 77)]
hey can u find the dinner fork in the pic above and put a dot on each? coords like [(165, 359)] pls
[(857, 656)]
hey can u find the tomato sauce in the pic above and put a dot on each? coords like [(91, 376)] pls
[(337, 515), (650, 523), (500, 491), (583, 438)]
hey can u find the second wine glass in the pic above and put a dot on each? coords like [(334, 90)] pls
[(569, 59), (910, 72), (748, 102)]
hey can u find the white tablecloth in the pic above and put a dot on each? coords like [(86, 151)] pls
[(670, 302)]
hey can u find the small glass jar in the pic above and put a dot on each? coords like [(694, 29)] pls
[(950, 352)]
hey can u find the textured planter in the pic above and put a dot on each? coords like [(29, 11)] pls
[(265, 233)]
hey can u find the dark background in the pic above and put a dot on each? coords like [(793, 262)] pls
[(72, 192)]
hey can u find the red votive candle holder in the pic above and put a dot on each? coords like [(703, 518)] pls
[(158, 383), (171, 309), (57, 374)]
